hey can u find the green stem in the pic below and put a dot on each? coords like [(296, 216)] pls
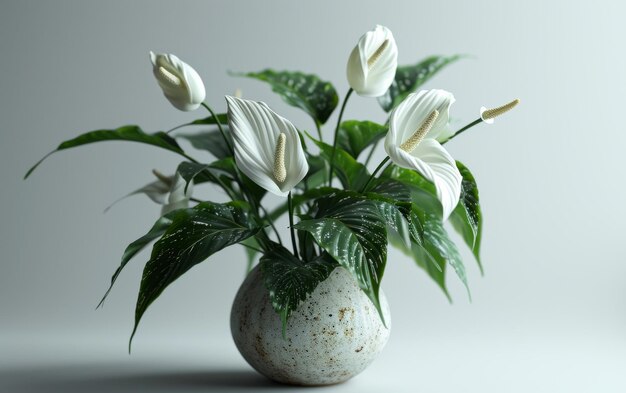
[(293, 232), (252, 248), (319, 130), (332, 156), (467, 127), (176, 128), (219, 126), (382, 163), (263, 240), (190, 158), (269, 219), (371, 153), (221, 183)]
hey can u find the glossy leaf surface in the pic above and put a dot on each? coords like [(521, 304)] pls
[(410, 78), (308, 92)]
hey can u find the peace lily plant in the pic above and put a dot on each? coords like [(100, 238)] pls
[(340, 214)]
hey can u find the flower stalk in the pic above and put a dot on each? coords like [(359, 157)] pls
[(291, 228), (487, 116), (219, 127), (333, 153)]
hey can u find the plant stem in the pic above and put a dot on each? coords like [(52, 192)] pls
[(371, 153), (293, 232), (189, 158), (467, 127), (332, 156), (252, 248), (269, 219), (319, 130), (219, 126), (221, 184), (382, 163)]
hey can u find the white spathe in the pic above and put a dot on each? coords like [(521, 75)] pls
[(429, 158), (373, 62), (180, 83), (256, 131), (177, 197)]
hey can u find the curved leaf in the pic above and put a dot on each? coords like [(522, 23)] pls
[(438, 244), (157, 191), (305, 91), (126, 133), (409, 78), (352, 174), (290, 281), (222, 118), (467, 217), (211, 141), (199, 173), (353, 232), (425, 261), (135, 247), (355, 136), (423, 192), (193, 236)]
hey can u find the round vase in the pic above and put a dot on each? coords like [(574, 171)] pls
[(332, 336)]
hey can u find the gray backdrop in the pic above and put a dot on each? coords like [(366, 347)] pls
[(549, 314)]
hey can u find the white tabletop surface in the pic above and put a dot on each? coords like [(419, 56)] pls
[(91, 364)]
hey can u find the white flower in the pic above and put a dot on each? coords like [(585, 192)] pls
[(177, 197), (267, 146), (373, 62), (180, 83), (414, 127)]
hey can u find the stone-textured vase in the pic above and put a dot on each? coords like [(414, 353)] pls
[(332, 336)]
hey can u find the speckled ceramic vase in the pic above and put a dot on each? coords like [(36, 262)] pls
[(332, 336)]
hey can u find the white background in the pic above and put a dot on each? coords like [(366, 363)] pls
[(549, 314)]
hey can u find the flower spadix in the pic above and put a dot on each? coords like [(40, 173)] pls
[(267, 146), (180, 83), (489, 114), (414, 127), (373, 62)]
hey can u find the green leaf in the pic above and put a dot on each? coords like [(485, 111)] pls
[(199, 173), (299, 199), (352, 174), (438, 244), (290, 280), (424, 260), (193, 236), (305, 91), (222, 118), (229, 168), (157, 191), (392, 189), (306, 243), (423, 192), (317, 175), (409, 78), (250, 244), (135, 247), (355, 136), (467, 217), (126, 133), (393, 200), (353, 232), (211, 141)]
